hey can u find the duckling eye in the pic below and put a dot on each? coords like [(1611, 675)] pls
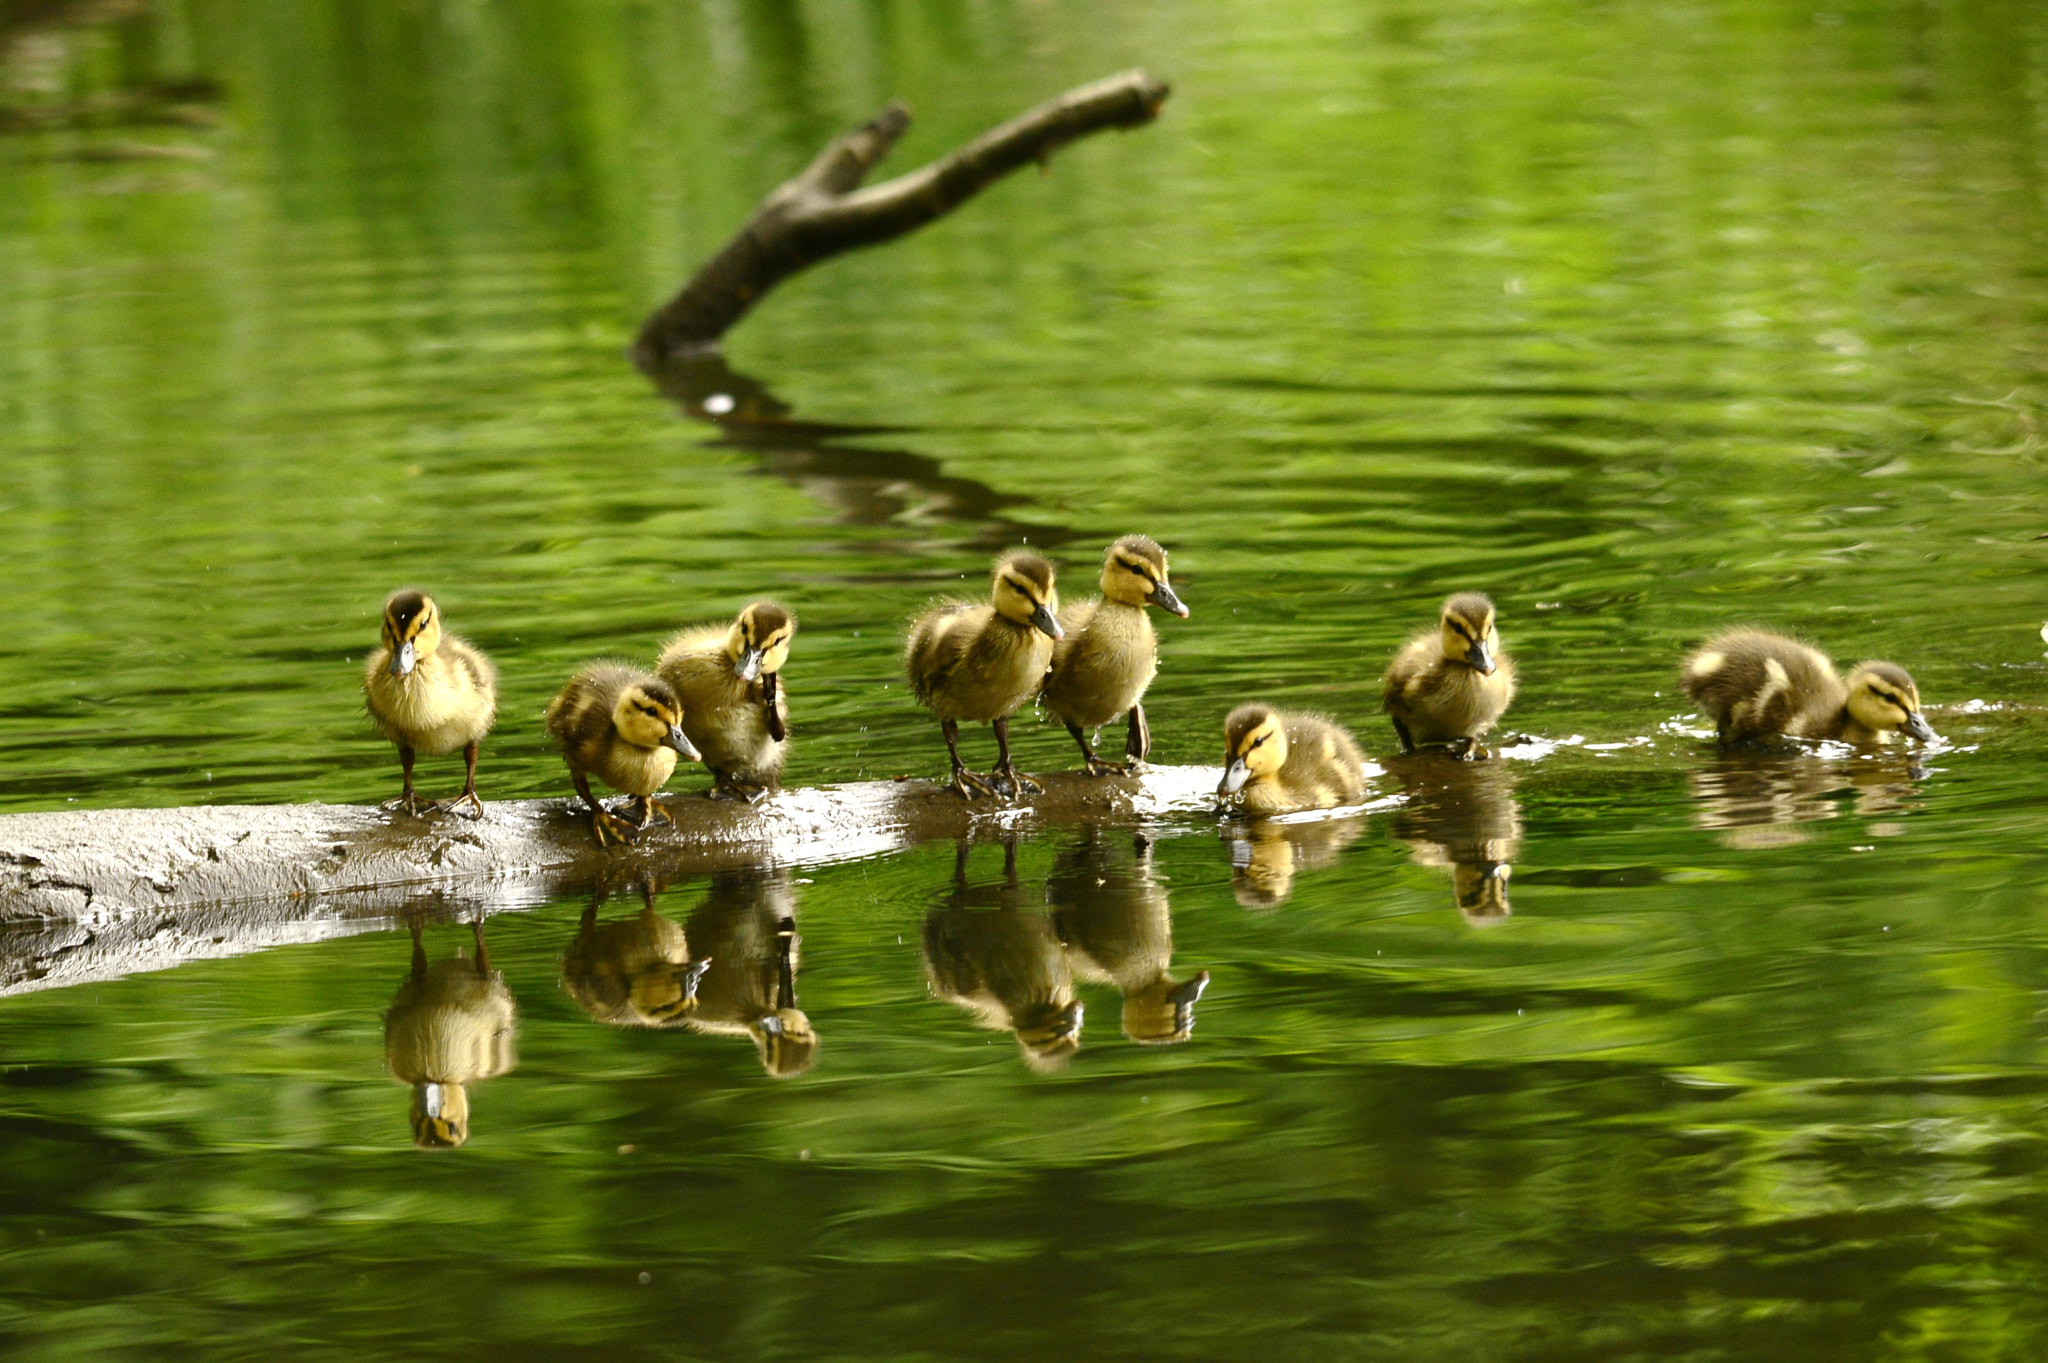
[(1260, 739)]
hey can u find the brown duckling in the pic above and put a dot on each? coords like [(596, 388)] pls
[(1757, 685), (431, 693), (451, 1026), (981, 663), (729, 679), (624, 726), (746, 929), (1275, 762), (1451, 684), (1109, 655), (636, 972), (1111, 912), (995, 954)]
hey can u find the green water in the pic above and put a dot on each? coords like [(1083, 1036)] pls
[(1646, 319)]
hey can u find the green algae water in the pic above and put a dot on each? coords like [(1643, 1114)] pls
[(1648, 320)]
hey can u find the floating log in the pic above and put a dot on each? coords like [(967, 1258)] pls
[(823, 211)]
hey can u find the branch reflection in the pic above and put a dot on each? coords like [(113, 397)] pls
[(450, 1026), (1462, 815)]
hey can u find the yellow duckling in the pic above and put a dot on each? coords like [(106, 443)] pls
[(430, 693), (1757, 684), (1275, 762), (982, 662), (633, 973), (1109, 655), (1451, 684), (451, 1026), (729, 679), (746, 930), (626, 727)]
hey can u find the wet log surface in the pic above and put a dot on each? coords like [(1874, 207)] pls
[(94, 894)]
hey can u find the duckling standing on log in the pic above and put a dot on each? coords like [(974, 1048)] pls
[(1276, 762), (1757, 684), (982, 662), (430, 693), (625, 726), (450, 1026), (729, 679), (1109, 655), (1451, 684)]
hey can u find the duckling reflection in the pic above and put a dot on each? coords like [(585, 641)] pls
[(1464, 816), (1758, 800), (745, 933), (1266, 854), (634, 972), (993, 952), (1111, 912), (450, 1026)]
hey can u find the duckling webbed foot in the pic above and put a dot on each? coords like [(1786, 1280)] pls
[(1005, 777), (972, 784), (610, 828), (732, 788), (409, 802), (648, 809), (467, 800), (1100, 766)]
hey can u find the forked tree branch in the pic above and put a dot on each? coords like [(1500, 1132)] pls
[(823, 211)]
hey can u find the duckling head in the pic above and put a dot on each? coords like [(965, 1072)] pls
[(440, 1116), (1052, 1035), (1481, 888), (759, 641), (412, 629), (648, 715), (788, 1045), (1882, 697), (1134, 573), (1254, 744), (1469, 636), (1163, 1013), (1024, 593), (1262, 871), (668, 993)]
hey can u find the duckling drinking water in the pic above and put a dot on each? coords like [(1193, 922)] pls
[(1109, 655), (982, 662), (430, 692), (1451, 684), (729, 679), (1757, 684), (1276, 762), (625, 726)]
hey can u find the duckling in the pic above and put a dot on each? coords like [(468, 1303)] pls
[(625, 726), (632, 973), (430, 693), (746, 929), (1756, 684), (993, 954), (450, 1026), (981, 663), (1451, 684), (1111, 912), (1109, 655), (1265, 857), (729, 679), (1463, 816), (1275, 762)]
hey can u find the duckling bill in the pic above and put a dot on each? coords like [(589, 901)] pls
[(429, 692), (1450, 685), (625, 727), (729, 680), (1756, 684), (1109, 655), (1276, 762)]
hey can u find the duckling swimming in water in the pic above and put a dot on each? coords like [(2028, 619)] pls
[(1109, 655), (451, 1026), (1451, 684), (729, 679), (982, 662), (430, 692), (1756, 684), (1276, 762), (625, 726)]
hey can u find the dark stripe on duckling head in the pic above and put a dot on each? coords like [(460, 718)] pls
[(764, 618), (1027, 568), (1242, 721), (401, 607), (1890, 675), (1141, 554), (1474, 610)]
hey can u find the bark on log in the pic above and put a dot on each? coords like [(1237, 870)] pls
[(823, 211)]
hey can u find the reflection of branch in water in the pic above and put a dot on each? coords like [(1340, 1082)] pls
[(864, 486), (1267, 854), (1462, 815), (1757, 800)]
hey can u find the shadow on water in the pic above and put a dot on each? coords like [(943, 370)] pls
[(861, 485)]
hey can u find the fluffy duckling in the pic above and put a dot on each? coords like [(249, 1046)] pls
[(1757, 684), (746, 929), (1109, 655), (729, 679), (632, 973), (995, 955), (431, 693), (625, 726), (1451, 684), (451, 1026), (1111, 912), (982, 662), (1275, 762)]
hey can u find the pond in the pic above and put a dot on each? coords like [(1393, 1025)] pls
[(1647, 320)]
